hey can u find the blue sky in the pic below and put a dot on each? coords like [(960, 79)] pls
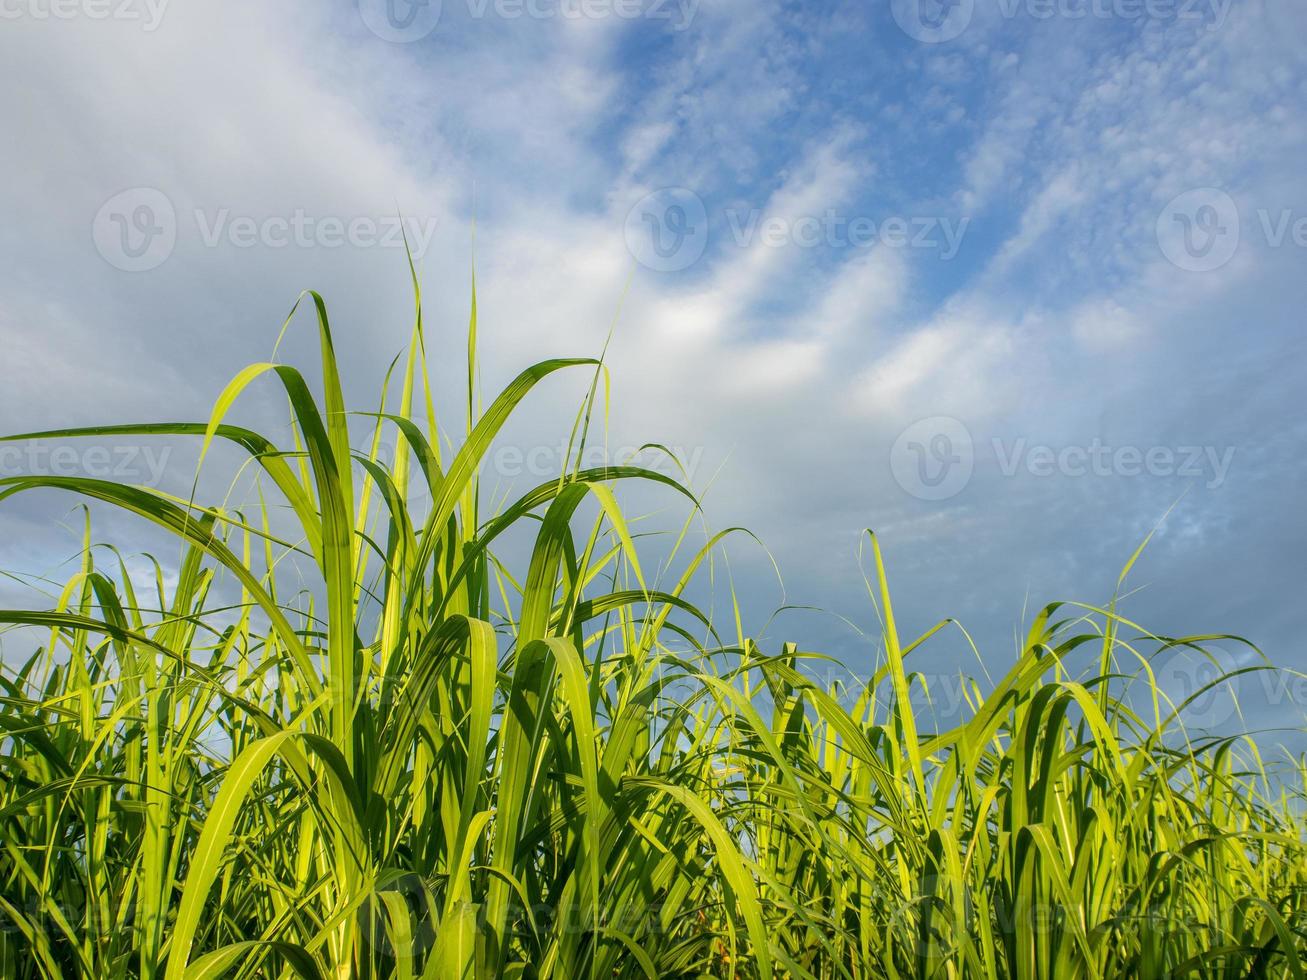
[(1004, 289)]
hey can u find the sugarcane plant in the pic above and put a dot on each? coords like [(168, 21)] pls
[(343, 737)]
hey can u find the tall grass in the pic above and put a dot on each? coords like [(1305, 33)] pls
[(430, 764)]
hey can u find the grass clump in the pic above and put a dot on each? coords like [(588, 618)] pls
[(426, 764)]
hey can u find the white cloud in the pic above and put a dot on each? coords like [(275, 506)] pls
[(800, 364)]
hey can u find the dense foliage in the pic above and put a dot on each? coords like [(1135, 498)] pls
[(420, 762)]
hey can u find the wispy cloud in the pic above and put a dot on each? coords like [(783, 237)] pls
[(1029, 294)]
